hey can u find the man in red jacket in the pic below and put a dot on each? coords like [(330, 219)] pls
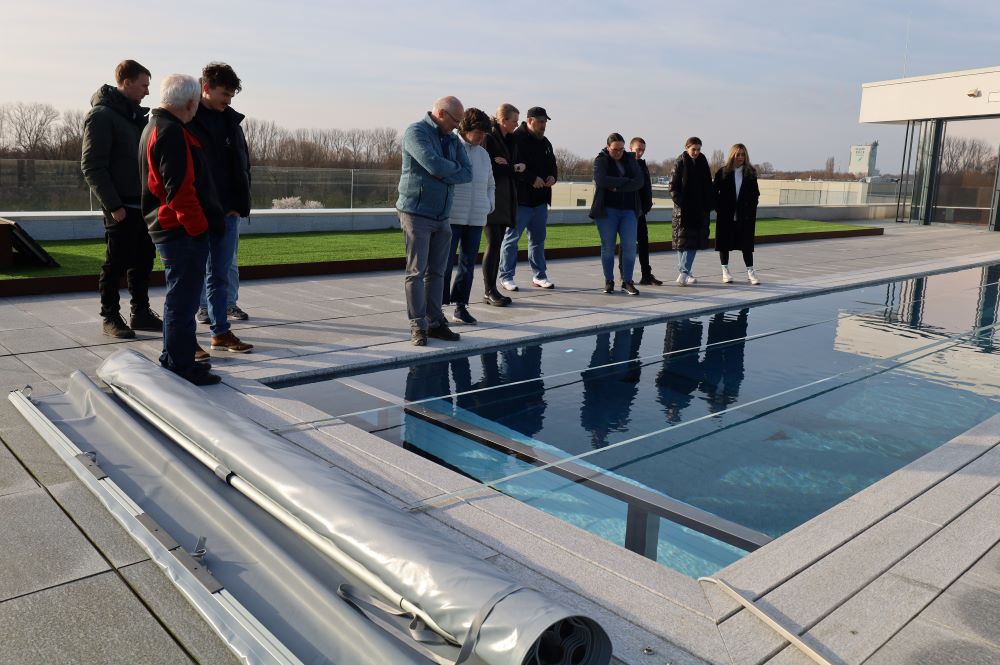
[(181, 208)]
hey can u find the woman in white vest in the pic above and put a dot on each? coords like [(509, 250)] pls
[(472, 203)]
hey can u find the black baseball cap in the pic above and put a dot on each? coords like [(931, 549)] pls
[(538, 112)]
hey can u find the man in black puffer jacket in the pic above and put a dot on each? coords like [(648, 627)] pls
[(110, 166)]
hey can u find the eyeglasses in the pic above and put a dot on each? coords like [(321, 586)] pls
[(457, 121)]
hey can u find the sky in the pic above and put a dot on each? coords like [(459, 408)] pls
[(782, 77)]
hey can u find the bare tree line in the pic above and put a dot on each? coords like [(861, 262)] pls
[(40, 131), (964, 155)]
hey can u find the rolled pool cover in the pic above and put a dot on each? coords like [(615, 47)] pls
[(451, 589)]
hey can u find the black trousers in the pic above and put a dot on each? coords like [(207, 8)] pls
[(747, 257), (642, 248), (129, 251), (491, 256)]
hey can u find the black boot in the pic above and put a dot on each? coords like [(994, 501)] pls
[(114, 326), (146, 319)]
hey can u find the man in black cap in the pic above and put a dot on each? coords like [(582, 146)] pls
[(534, 195)]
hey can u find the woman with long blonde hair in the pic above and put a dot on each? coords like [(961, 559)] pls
[(736, 197)]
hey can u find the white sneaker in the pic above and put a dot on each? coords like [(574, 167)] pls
[(691, 280), (683, 279), (727, 277), (542, 283), (752, 276), (508, 284)]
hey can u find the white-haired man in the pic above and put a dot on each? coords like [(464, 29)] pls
[(434, 161), (180, 205)]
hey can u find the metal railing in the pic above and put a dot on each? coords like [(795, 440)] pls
[(52, 185)]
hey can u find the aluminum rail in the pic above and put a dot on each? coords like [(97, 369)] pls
[(770, 621), (251, 642)]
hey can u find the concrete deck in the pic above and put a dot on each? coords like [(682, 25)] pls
[(906, 571)]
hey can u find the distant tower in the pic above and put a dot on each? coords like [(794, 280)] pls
[(863, 159)]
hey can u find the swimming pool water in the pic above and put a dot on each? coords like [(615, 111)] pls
[(764, 416)]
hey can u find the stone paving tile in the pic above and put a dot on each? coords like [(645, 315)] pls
[(804, 599), (148, 581), (71, 309), (32, 451), (56, 366), (923, 643), (764, 570), (859, 627), (948, 499), (94, 621), (36, 339), (970, 609), (13, 477), (986, 571), (956, 547), (15, 318), (101, 528), (15, 374), (39, 546)]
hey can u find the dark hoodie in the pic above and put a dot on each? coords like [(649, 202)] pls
[(228, 155), (539, 160), (110, 159)]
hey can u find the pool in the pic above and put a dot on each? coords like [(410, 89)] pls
[(695, 440)]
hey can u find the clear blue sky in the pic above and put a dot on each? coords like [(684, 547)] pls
[(783, 77)]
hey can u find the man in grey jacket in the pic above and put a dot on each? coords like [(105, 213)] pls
[(434, 161), (110, 164)]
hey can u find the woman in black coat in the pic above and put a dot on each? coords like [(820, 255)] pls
[(501, 148), (691, 190), (736, 197)]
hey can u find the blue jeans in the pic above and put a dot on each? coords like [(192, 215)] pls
[(534, 220), (685, 260), (427, 242), (184, 271), (217, 293), (468, 237), (622, 224), (233, 288)]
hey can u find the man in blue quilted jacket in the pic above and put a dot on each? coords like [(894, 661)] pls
[(434, 161)]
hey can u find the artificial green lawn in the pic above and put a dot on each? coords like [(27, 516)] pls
[(84, 257)]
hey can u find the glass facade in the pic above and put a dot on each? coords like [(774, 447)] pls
[(950, 172)]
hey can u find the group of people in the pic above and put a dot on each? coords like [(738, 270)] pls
[(495, 175), (177, 179), (498, 176)]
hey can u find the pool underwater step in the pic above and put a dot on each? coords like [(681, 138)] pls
[(641, 502)]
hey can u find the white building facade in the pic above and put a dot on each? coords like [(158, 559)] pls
[(952, 149)]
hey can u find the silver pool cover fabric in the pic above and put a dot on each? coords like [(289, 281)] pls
[(450, 586), (273, 573)]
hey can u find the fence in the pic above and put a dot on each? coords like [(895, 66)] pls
[(50, 185), (47, 185)]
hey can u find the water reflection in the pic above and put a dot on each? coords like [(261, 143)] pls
[(608, 392), (722, 368), (680, 374)]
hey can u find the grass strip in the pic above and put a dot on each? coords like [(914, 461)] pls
[(84, 257)]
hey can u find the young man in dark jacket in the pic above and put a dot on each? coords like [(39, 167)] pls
[(110, 166), (217, 126), (181, 208), (638, 146), (534, 195)]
